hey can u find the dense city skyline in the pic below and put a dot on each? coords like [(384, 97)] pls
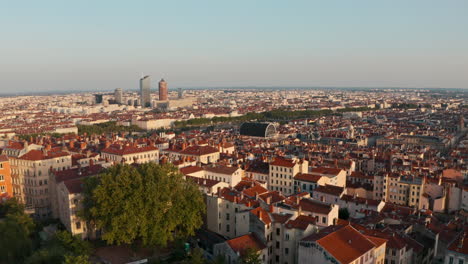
[(102, 46)]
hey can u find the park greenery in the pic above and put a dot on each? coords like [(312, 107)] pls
[(106, 128), (150, 204), (274, 115)]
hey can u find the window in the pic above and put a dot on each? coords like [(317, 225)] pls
[(78, 225), (450, 260), (287, 237), (2, 189), (227, 228), (227, 216), (277, 244), (2, 178), (277, 231), (324, 220), (461, 261), (286, 251)]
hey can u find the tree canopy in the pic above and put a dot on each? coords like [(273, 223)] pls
[(151, 203), (16, 229), (107, 127), (63, 247)]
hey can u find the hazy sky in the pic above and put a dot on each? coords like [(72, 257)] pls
[(102, 45)]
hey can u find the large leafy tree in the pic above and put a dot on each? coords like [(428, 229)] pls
[(151, 203)]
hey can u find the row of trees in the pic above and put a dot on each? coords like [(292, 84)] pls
[(105, 128), (275, 115)]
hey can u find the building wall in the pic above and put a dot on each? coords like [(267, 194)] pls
[(231, 179), (35, 181), (69, 205), (326, 197), (282, 178), (224, 217), (6, 185), (464, 201), (142, 157), (455, 258), (454, 198)]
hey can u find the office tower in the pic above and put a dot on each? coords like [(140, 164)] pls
[(118, 94), (145, 93), (98, 98), (162, 90), (180, 93)]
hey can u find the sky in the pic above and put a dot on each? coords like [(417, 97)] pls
[(101, 45)]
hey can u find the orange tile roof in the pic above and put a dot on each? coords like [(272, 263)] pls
[(460, 244), (242, 243), (314, 206), (35, 155), (346, 244), (326, 171), (307, 177), (301, 222), (282, 162), (190, 170), (262, 214), (126, 150)]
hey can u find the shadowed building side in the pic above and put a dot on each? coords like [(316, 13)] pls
[(257, 129)]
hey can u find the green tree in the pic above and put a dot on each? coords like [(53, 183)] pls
[(151, 203), (16, 229), (250, 256), (343, 213), (62, 246), (218, 260), (196, 256), (81, 259)]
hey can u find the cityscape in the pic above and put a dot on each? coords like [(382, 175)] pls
[(242, 165)]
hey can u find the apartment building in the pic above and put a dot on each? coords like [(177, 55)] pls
[(130, 153), (282, 172), (34, 170)]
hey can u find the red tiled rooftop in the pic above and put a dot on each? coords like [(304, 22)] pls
[(242, 243), (314, 206), (330, 189), (35, 155), (127, 150), (344, 243), (190, 169), (307, 177), (282, 162), (199, 150), (301, 222)]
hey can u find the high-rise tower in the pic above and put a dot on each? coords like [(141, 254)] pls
[(145, 93), (118, 96), (180, 93), (162, 90)]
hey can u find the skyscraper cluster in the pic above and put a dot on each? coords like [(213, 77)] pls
[(145, 91)]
